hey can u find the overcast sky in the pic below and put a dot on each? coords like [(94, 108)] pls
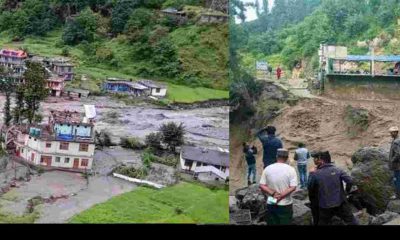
[(251, 12)]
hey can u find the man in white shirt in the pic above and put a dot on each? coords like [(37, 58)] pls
[(278, 181)]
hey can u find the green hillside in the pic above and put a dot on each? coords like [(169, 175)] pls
[(127, 39)]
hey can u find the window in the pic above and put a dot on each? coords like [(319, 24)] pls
[(84, 162), (48, 145), (158, 90), (58, 159), (66, 160), (83, 147), (198, 164), (188, 163), (64, 146)]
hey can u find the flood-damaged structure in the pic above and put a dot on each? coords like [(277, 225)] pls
[(205, 164), (58, 70), (65, 142), (135, 88)]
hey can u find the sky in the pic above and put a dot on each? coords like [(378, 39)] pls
[(251, 12)]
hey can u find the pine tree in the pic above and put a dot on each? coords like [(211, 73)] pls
[(35, 88), (19, 105)]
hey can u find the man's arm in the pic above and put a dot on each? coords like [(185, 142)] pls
[(259, 133), (267, 189), (347, 179), (396, 152)]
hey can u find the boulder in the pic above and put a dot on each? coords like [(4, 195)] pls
[(300, 194), (253, 199), (395, 221), (301, 213), (372, 176), (384, 218), (394, 206), (233, 207)]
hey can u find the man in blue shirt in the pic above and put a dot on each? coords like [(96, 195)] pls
[(270, 144), (327, 182), (302, 155), (249, 153)]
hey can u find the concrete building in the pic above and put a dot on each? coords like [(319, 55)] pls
[(205, 164), (62, 67), (123, 86), (210, 17), (65, 142), (156, 89), (55, 85), (13, 59)]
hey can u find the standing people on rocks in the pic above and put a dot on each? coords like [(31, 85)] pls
[(313, 193), (394, 159), (270, 144), (278, 72), (249, 153), (328, 182), (301, 155), (278, 181), (270, 70)]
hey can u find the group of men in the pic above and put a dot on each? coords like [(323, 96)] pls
[(325, 183)]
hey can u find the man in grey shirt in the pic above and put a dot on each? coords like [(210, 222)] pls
[(302, 155)]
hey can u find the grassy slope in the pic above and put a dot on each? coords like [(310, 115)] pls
[(46, 46), (144, 205)]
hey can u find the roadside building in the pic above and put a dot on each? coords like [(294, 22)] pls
[(62, 68), (76, 93), (55, 85), (156, 89), (205, 164), (65, 142), (13, 59), (116, 85), (213, 17)]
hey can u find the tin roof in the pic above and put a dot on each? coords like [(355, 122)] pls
[(208, 156)]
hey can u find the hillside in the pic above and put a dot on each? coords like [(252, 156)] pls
[(337, 22), (127, 39)]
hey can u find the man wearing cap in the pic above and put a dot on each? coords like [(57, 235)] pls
[(327, 181), (278, 181), (313, 192), (394, 159), (270, 145)]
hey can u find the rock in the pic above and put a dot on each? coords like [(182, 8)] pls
[(253, 199), (372, 176), (300, 194), (301, 213), (395, 221), (394, 206), (384, 218), (233, 207), (363, 217)]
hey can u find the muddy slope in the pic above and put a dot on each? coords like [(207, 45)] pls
[(320, 123)]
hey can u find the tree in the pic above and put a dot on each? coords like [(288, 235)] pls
[(120, 14), (153, 141), (6, 86), (82, 28), (18, 111), (34, 88), (172, 135)]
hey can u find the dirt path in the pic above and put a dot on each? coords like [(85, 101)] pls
[(319, 123)]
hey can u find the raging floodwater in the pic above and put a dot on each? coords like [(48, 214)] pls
[(204, 126)]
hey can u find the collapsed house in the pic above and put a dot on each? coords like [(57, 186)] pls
[(135, 88), (205, 164), (65, 142)]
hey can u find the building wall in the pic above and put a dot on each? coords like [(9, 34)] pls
[(194, 165), (162, 93), (39, 149)]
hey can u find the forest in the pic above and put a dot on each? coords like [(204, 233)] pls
[(292, 31), (130, 36)]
